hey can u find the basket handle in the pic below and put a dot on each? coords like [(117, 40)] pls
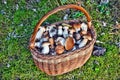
[(32, 40)]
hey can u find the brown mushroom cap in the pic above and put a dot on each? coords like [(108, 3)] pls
[(69, 44), (59, 49), (88, 36), (45, 44), (51, 40), (83, 32), (72, 31), (77, 26)]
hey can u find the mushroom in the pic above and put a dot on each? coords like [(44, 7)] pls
[(74, 48), (67, 25), (77, 36), (65, 33), (71, 32), (77, 26), (37, 44), (40, 42), (51, 40), (83, 32), (60, 40), (88, 36), (84, 28), (40, 32), (60, 30), (69, 43), (59, 49), (45, 38), (52, 32), (45, 46), (83, 42)]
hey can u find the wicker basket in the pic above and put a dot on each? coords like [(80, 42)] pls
[(60, 64)]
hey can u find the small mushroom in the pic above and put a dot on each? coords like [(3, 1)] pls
[(51, 40), (83, 42), (67, 25), (60, 30), (60, 40), (40, 32), (65, 33), (77, 26), (37, 44), (59, 49), (69, 43), (71, 32), (84, 27), (45, 46), (88, 36)]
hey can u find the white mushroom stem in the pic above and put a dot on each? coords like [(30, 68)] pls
[(45, 49), (74, 48), (83, 43), (60, 30), (65, 33), (78, 42), (84, 27), (44, 39), (52, 33), (61, 40), (37, 44), (71, 32), (40, 32), (71, 35)]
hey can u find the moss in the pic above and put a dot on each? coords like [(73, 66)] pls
[(16, 27)]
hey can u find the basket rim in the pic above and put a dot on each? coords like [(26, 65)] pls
[(37, 53)]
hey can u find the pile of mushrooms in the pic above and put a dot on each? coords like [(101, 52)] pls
[(62, 38)]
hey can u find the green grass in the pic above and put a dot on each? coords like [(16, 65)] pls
[(16, 27)]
